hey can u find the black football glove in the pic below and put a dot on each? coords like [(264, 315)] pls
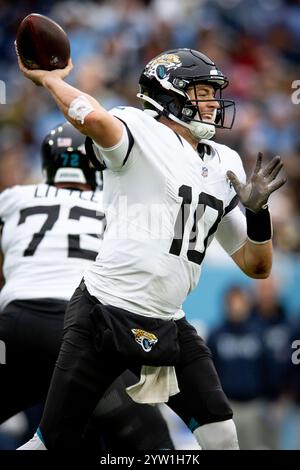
[(255, 193)]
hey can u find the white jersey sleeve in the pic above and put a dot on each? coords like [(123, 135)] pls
[(114, 157), (232, 229)]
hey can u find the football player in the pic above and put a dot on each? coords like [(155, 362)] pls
[(181, 190), (51, 232)]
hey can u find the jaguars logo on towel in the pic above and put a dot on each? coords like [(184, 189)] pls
[(145, 339)]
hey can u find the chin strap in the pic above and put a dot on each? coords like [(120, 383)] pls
[(199, 130)]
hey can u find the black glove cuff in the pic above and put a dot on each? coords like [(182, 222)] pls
[(259, 225)]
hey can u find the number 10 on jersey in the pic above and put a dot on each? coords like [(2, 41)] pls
[(204, 200)]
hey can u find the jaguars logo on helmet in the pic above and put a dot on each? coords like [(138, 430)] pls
[(164, 84), (145, 339), (161, 65)]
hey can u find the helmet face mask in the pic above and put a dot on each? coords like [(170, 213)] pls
[(224, 114), (64, 158), (166, 80)]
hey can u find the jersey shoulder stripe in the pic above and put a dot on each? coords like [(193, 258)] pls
[(130, 141), (233, 203)]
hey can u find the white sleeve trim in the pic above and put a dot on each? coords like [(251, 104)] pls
[(113, 156), (114, 147), (259, 243), (237, 247)]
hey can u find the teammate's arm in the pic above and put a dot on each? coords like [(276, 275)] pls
[(80, 109)]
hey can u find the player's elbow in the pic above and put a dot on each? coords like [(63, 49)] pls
[(261, 270), (89, 124), (261, 275)]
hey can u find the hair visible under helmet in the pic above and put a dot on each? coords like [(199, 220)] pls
[(163, 88)]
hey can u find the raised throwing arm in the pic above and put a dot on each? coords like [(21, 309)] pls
[(79, 108)]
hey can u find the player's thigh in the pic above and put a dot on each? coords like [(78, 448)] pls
[(129, 425), (80, 378), (201, 399), (24, 379), (32, 335), (19, 390)]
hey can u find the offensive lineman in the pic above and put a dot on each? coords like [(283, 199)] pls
[(50, 233), (159, 160)]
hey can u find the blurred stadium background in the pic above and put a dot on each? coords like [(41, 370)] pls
[(250, 325)]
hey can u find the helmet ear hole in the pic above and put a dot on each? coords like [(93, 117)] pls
[(169, 100)]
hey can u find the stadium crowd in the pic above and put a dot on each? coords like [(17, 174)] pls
[(253, 42), (256, 44)]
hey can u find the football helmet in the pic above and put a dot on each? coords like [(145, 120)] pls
[(64, 157), (164, 85)]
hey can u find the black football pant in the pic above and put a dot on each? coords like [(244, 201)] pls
[(82, 375), (32, 331)]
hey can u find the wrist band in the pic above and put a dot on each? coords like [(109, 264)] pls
[(259, 225)]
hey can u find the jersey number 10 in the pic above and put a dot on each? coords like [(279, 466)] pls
[(204, 200)]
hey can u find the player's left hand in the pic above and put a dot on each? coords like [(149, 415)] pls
[(255, 193), (38, 76)]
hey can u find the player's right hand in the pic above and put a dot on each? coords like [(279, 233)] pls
[(38, 76)]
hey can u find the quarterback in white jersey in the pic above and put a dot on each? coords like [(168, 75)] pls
[(50, 233), (159, 161), (151, 257)]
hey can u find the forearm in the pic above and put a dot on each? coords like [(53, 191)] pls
[(255, 256), (257, 259), (98, 124), (64, 94), (85, 113)]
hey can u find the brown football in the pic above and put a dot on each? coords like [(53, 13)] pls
[(42, 43)]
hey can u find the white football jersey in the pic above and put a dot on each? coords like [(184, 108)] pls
[(49, 236), (164, 205)]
